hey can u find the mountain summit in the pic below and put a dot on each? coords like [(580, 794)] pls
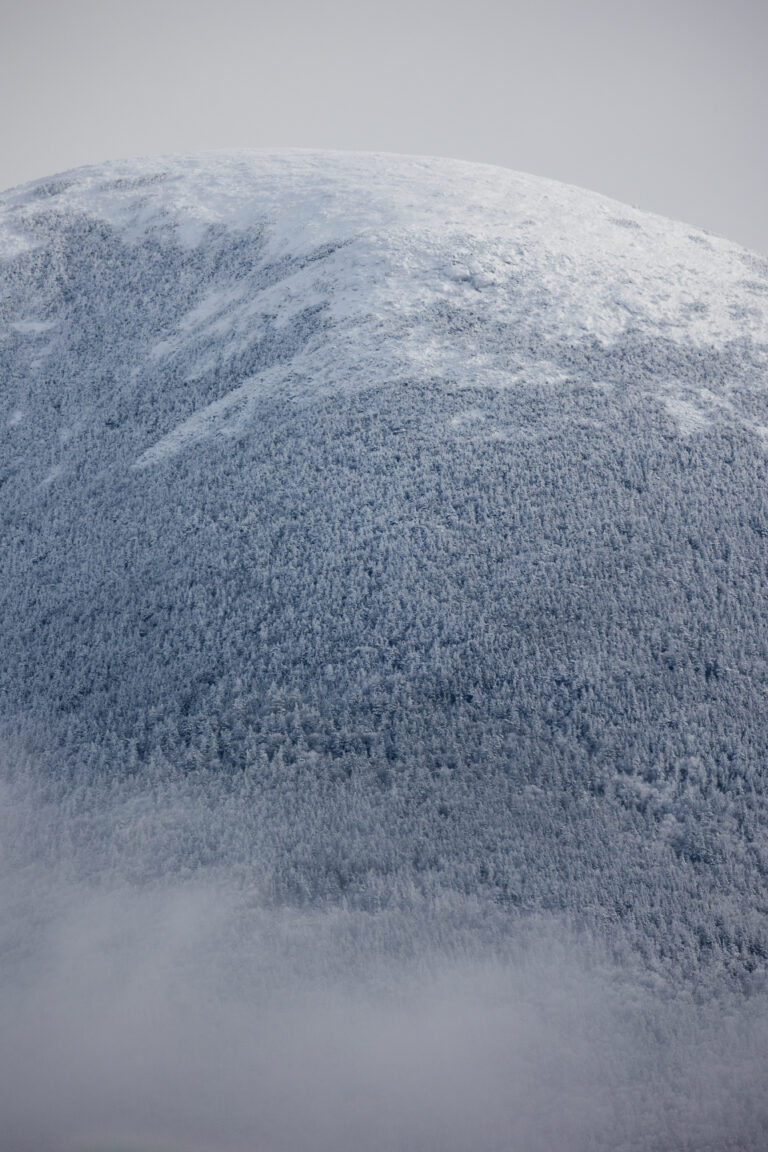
[(384, 543)]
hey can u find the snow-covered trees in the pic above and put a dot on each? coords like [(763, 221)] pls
[(387, 635)]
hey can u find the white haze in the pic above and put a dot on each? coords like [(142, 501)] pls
[(179, 1015)]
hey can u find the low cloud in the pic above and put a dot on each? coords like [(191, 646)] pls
[(182, 1015)]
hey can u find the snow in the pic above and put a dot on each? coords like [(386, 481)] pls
[(400, 213), (32, 327), (223, 417), (689, 417), (385, 553), (402, 237)]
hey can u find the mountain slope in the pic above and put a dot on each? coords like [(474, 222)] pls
[(385, 541)]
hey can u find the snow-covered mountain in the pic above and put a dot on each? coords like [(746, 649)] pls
[(384, 544)]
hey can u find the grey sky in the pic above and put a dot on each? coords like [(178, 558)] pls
[(660, 104)]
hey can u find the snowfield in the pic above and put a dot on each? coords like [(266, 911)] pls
[(384, 644)]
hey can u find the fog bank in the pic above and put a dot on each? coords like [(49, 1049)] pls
[(180, 1016)]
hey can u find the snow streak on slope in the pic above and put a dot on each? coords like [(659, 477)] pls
[(385, 654), (421, 250)]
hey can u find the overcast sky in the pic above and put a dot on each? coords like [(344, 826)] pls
[(660, 104)]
